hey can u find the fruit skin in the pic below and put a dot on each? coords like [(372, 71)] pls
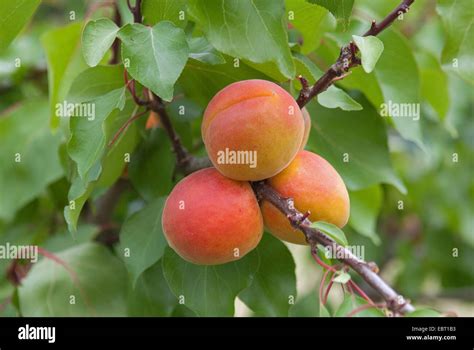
[(153, 121), (307, 128), (254, 116), (219, 215), (315, 186)]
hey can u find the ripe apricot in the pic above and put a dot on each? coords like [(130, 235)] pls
[(209, 219), (252, 130), (307, 128), (315, 186)]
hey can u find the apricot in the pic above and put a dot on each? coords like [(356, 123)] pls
[(209, 219), (252, 130), (153, 121), (307, 128), (315, 186)]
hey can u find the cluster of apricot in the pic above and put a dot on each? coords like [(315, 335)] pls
[(212, 216)]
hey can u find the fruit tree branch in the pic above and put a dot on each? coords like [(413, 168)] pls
[(185, 161), (368, 271), (116, 44), (347, 57), (136, 10)]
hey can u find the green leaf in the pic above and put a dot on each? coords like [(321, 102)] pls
[(341, 9), (95, 82), (152, 166), (184, 110), (306, 306), (15, 15), (88, 138), (395, 80), (151, 296), (397, 74), (201, 50), (182, 311), (209, 290), (342, 277), (9, 310), (332, 231), (333, 97), (434, 83), (351, 302), (424, 312), (154, 56), (19, 232), (29, 153), (269, 69), (106, 168), (125, 13), (155, 11), (307, 19), (97, 38), (253, 30), (79, 192), (62, 240), (360, 156), (325, 254), (62, 48), (366, 83), (201, 82), (101, 90), (458, 51), (365, 206), (142, 242), (92, 284), (115, 156), (274, 284), (370, 49)]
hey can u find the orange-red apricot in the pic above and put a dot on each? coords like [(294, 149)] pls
[(315, 186), (209, 219), (307, 128), (252, 130)]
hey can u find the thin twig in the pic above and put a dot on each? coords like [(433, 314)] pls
[(185, 161), (116, 44), (124, 126), (130, 84), (347, 57), (136, 10)]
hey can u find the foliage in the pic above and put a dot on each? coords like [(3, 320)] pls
[(410, 187)]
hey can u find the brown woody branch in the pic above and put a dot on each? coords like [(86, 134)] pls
[(116, 44), (185, 161), (348, 57), (368, 271), (136, 10)]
